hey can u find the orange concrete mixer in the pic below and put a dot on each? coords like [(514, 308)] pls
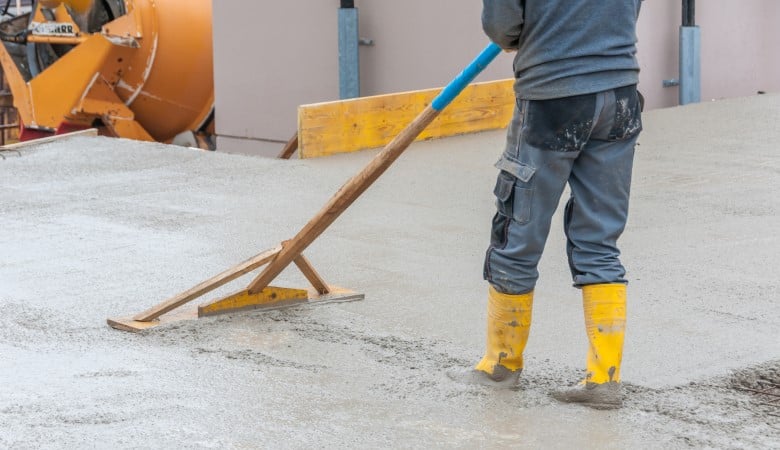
[(139, 69)]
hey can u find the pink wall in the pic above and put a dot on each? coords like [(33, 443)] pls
[(267, 60), (739, 43), (740, 47), (271, 57), (658, 50)]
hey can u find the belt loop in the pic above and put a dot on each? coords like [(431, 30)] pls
[(601, 101)]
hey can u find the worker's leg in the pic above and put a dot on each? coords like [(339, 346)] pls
[(595, 218), (534, 169), (600, 182), (597, 211)]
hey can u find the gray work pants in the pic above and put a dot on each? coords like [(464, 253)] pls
[(586, 141)]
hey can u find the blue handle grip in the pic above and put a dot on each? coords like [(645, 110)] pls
[(460, 82)]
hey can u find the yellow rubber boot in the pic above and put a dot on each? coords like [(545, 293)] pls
[(508, 325), (605, 324)]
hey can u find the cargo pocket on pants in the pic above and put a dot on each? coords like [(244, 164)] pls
[(505, 184), (513, 198)]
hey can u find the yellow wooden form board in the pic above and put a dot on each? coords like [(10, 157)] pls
[(369, 122)]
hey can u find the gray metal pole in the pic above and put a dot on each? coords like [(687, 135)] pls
[(349, 56), (690, 56)]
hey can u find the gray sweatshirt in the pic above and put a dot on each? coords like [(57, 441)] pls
[(566, 47)]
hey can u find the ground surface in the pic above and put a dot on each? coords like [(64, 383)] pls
[(92, 228)]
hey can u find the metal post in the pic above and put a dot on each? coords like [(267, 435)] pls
[(689, 13), (690, 55), (349, 57)]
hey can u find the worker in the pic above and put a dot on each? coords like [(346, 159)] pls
[(577, 119)]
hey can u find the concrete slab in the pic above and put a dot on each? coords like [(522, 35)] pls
[(95, 228)]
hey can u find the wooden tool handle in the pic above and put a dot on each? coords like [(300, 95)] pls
[(360, 182), (342, 200)]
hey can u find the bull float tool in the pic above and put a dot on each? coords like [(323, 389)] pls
[(259, 294)]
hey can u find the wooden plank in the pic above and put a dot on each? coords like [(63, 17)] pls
[(290, 148), (293, 248), (45, 140), (370, 122), (208, 285), (134, 326), (314, 278)]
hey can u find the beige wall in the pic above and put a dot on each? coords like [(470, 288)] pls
[(739, 48), (271, 57)]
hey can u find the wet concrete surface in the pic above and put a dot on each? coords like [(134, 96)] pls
[(92, 228)]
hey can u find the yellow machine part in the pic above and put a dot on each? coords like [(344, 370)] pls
[(80, 6), (147, 74)]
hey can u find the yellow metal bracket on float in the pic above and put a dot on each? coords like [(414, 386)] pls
[(244, 300)]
